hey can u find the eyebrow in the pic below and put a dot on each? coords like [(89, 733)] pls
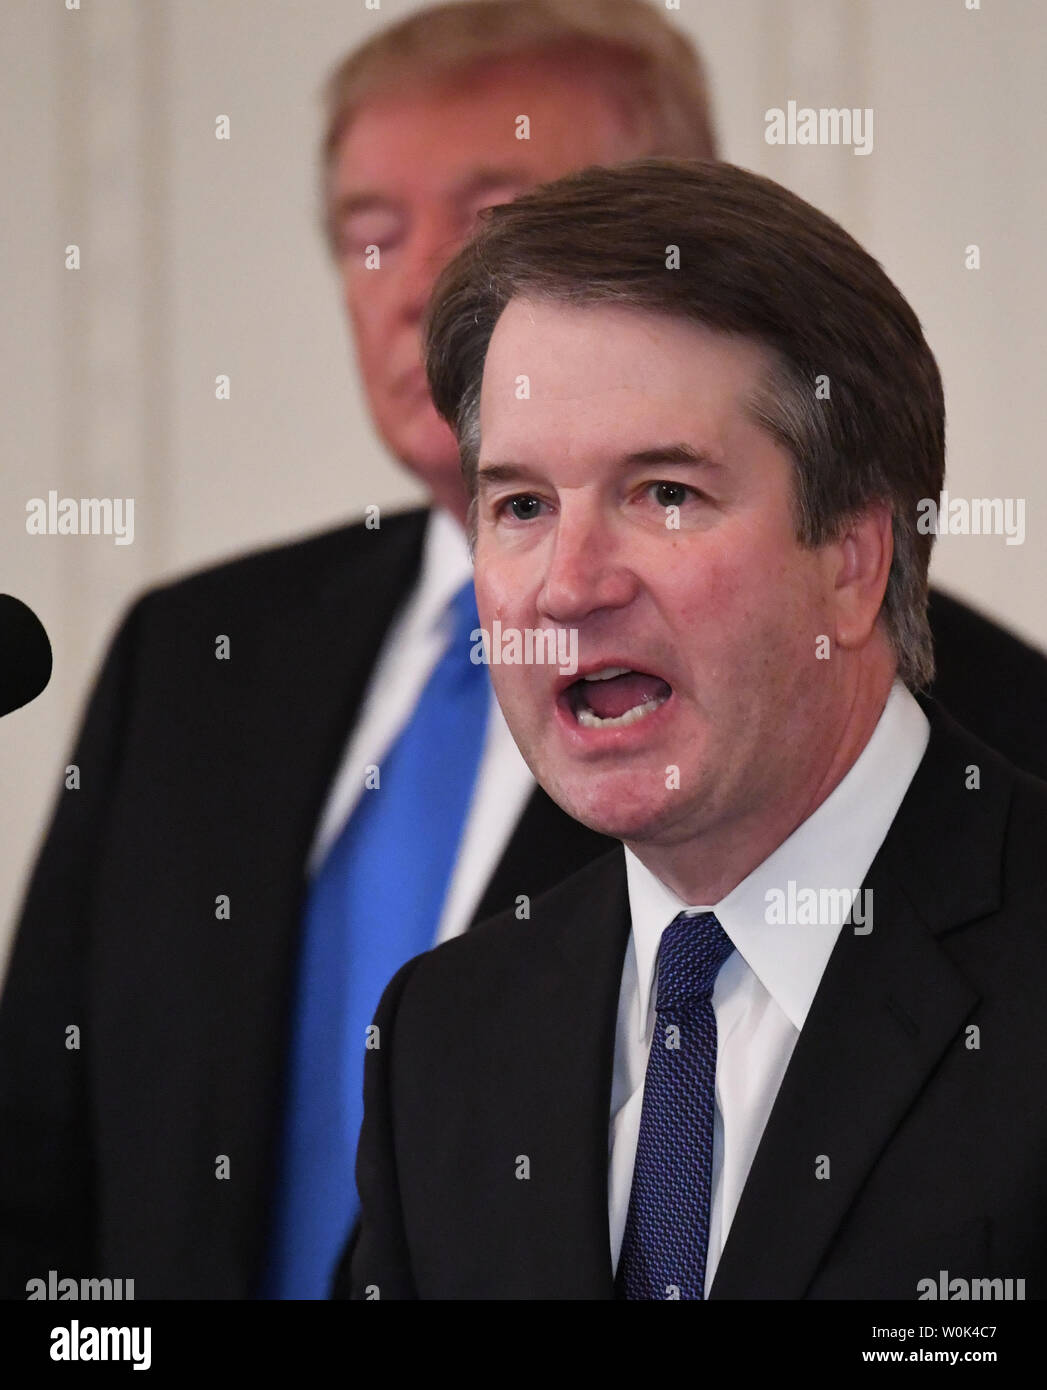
[(678, 454)]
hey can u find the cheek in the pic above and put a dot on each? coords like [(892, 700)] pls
[(505, 586), (366, 317), (511, 694), (711, 597), (493, 594), (507, 595), (744, 611)]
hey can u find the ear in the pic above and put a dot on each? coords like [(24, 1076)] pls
[(863, 561)]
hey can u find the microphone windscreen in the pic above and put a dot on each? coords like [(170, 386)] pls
[(25, 655)]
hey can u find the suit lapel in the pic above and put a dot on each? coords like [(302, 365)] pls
[(888, 1006)]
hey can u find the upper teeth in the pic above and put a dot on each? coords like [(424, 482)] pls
[(608, 673)]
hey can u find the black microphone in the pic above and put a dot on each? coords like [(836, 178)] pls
[(25, 655)]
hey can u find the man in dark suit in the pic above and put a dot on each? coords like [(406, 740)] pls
[(171, 917), (786, 1042)]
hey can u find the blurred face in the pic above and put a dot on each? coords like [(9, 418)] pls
[(411, 174), (696, 642)]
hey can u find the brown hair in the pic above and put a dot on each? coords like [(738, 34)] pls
[(652, 69), (756, 260)]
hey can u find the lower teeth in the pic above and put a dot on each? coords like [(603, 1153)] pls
[(589, 720)]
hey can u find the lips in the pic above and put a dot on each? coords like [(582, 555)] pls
[(614, 696)]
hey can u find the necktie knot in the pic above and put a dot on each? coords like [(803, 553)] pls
[(692, 950)]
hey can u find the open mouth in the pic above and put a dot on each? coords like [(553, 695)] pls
[(614, 697)]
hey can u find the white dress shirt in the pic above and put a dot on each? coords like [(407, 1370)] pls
[(413, 646), (765, 989)]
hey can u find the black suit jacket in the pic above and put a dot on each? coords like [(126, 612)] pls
[(501, 1044), (199, 778)]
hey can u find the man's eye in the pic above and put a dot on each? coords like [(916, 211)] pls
[(523, 507), (363, 229), (670, 494)]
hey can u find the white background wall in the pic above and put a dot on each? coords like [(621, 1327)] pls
[(202, 257)]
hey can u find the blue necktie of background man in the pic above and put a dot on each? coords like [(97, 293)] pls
[(374, 904)]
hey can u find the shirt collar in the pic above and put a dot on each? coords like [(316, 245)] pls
[(445, 567), (832, 848)]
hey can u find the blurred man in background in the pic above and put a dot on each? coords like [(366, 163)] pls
[(293, 778)]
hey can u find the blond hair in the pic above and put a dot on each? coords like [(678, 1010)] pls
[(650, 66)]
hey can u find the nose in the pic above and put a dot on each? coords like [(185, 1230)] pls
[(586, 570)]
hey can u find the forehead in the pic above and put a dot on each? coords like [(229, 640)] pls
[(436, 129), (578, 371)]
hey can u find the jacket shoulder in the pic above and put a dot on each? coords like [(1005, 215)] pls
[(992, 681), (293, 566), (1026, 861)]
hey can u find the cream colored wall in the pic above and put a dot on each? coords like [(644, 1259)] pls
[(201, 257)]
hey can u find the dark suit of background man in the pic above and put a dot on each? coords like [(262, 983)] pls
[(686, 1076), (202, 1036)]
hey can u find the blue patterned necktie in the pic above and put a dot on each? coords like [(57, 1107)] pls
[(667, 1227), (374, 904)]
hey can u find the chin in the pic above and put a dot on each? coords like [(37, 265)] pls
[(615, 811)]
